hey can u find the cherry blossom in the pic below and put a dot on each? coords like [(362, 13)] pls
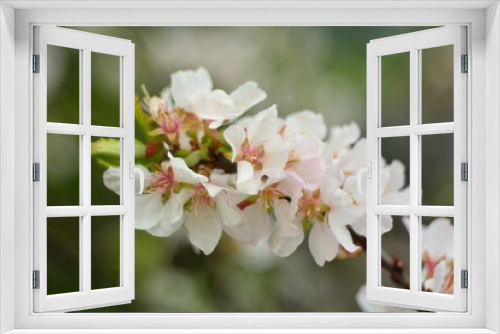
[(193, 92), (259, 151), (262, 180)]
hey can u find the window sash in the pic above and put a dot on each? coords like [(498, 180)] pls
[(86, 43), (413, 43)]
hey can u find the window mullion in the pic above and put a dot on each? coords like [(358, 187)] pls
[(414, 169), (86, 172)]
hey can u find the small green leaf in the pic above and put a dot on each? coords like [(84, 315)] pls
[(195, 157)]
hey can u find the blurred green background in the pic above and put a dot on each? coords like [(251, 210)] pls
[(318, 68)]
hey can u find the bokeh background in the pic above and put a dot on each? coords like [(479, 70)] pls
[(318, 68)]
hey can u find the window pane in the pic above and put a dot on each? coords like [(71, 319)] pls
[(395, 81), (63, 165), (105, 171), (437, 84), (395, 171), (105, 77), (105, 236), (395, 251), (437, 169), (63, 85), (63, 255), (437, 255)]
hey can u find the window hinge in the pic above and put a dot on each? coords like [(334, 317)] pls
[(36, 279), (465, 64), (464, 279), (36, 63), (36, 172), (464, 172)]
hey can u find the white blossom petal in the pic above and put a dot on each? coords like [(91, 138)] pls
[(183, 173), (344, 237), (287, 233), (248, 181), (204, 229), (253, 226), (148, 210), (437, 238), (189, 86), (229, 215), (246, 96), (112, 179), (263, 126), (341, 137), (215, 105), (235, 136), (322, 243), (172, 214), (393, 176), (436, 282), (306, 122)]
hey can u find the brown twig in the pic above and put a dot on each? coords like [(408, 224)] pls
[(394, 265)]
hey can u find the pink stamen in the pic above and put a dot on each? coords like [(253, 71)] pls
[(162, 181), (252, 154)]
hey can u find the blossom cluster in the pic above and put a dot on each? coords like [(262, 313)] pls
[(213, 169)]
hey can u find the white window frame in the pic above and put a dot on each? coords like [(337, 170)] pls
[(413, 44), (86, 44), (483, 21)]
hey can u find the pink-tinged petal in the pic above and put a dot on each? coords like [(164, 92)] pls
[(291, 186), (322, 244), (311, 170), (246, 96), (263, 126), (183, 173), (228, 214), (112, 179), (306, 122), (235, 136), (204, 229), (253, 226), (189, 86), (344, 237), (437, 281), (148, 210), (172, 214)]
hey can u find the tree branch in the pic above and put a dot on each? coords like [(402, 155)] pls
[(394, 265)]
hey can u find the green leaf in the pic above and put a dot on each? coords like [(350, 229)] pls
[(142, 119), (195, 157), (107, 151)]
